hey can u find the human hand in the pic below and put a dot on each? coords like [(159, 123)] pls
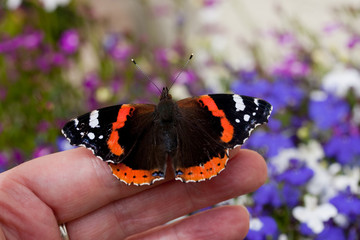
[(76, 188)]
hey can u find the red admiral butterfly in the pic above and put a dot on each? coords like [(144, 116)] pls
[(192, 135)]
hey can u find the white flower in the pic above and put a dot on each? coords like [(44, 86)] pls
[(314, 215), (13, 4), (255, 224), (350, 178), (340, 80), (310, 153), (356, 114), (51, 5)]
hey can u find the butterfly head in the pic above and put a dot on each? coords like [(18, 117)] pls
[(165, 95)]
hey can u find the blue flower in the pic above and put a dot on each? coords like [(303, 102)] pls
[(305, 230), (347, 203), (328, 111), (344, 148), (354, 234), (273, 143), (331, 233), (261, 87), (286, 93), (262, 228), (63, 144), (268, 194), (291, 195), (297, 174), (281, 93)]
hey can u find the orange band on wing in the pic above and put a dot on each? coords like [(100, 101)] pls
[(113, 141), (228, 132), (198, 173), (131, 176)]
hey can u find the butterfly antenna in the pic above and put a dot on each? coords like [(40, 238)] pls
[(147, 77), (182, 70)]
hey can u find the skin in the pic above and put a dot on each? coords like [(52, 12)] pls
[(76, 188)]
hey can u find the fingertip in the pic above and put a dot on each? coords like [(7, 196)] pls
[(251, 163)]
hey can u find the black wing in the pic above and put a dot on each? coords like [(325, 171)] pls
[(208, 126)]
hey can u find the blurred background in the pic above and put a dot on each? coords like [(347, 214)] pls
[(62, 58)]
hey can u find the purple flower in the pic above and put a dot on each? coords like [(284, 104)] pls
[(331, 233), (344, 148), (268, 194), (91, 82), (186, 77), (43, 126), (332, 27), (347, 203), (4, 161), (292, 66), (162, 57), (116, 85), (69, 41), (210, 3), (285, 38), (354, 40), (58, 59), (262, 228), (44, 62), (3, 94), (152, 87), (297, 174), (328, 111), (10, 45), (121, 52), (42, 151), (32, 40), (17, 156), (110, 41)]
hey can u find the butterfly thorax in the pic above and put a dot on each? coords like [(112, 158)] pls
[(167, 109), (165, 116)]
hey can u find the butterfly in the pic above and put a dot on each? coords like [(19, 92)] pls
[(191, 136)]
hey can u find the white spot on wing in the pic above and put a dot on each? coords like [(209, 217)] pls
[(91, 135), (246, 117), (101, 137), (237, 120), (76, 122), (256, 101), (94, 121), (239, 103)]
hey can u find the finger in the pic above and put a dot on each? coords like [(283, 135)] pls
[(246, 172), (229, 222), (72, 183)]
